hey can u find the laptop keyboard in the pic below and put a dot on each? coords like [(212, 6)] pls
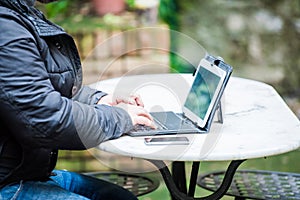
[(140, 127), (174, 123), (167, 123)]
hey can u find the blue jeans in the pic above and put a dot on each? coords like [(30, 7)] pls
[(65, 185)]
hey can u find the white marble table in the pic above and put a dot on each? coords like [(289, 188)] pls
[(257, 122)]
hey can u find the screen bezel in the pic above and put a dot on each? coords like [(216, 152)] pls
[(220, 73)]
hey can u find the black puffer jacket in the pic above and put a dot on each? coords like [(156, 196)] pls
[(43, 107)]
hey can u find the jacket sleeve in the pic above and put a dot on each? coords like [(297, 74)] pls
[(88, 95), (35, 113)]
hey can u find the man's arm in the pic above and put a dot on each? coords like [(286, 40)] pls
[(36, 113)]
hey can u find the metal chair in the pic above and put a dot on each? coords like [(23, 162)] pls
[(137, 184), (255, 184)]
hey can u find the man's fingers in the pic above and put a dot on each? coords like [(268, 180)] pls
[(137, 100), (143, 117), (145, 121), (138, 114), (126, 100)]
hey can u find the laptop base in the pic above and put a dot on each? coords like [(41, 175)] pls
[(167, 123)]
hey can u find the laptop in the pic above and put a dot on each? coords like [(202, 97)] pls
[(201, 103)]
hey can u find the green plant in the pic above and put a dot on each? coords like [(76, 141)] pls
[(56, 8), (130, 3)]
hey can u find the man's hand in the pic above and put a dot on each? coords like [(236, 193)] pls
[(138, 114), (134, 106), (115, 100)]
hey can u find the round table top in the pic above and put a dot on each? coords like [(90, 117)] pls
[(257, 122)]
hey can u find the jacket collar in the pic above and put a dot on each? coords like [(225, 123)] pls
[(25, 7)]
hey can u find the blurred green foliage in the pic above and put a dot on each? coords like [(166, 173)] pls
[(130, 3), (259, 38), (169, 13), (56, 8)]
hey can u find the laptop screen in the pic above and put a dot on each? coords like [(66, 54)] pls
[(202, 92)]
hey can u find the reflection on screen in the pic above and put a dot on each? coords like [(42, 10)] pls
[(202, 92)]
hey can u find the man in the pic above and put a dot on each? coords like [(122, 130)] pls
[(44, 108)]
